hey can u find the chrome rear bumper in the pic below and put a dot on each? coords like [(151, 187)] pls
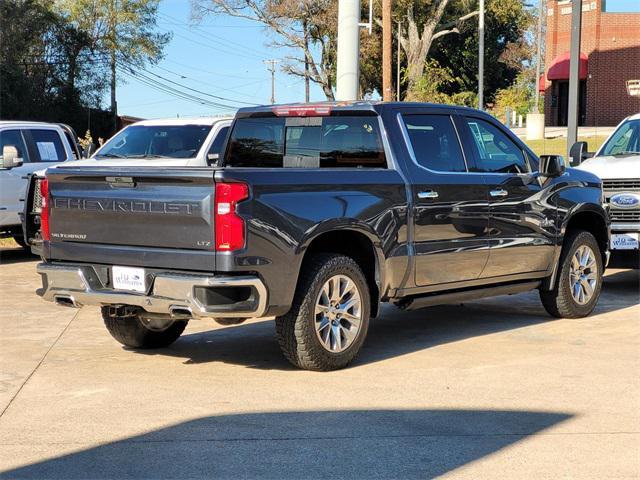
[(170, 293)]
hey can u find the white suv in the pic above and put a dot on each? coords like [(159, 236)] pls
[(25, 148)]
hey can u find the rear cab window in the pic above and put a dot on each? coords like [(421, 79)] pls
[(340, 141)]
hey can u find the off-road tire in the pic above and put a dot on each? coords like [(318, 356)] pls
[(559, 301), (19, 239), (295, 331), (130, 331)]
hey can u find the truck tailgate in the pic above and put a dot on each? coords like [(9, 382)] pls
[(118, 211)]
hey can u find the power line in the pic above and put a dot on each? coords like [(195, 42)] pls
[(170, 90), (189, 88)]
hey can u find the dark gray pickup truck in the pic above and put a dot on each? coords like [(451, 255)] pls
[(317, 214)]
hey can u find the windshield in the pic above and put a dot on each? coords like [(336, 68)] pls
[(140, 141), (625, 140)]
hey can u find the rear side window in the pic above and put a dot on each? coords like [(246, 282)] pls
[(48, 145), (306, 142), (218, 142), (13, 138), (435, 143)]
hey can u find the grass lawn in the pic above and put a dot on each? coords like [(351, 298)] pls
[(8, 243), (558, 146)]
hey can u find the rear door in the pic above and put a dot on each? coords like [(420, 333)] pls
[(522, 233), (13, 181), (450, 203)]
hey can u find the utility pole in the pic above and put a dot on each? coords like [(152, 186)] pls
[(574, 74), (272, 69), (538, 56), (481, 57), (398, 63), (387, 87), (306, 61), (113, 13), (348, 50)]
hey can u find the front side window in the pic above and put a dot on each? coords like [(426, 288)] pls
[(151, 141), (49, 147), (306, 142), (435, 143), (13, 138), (625, 140), (495, 151)]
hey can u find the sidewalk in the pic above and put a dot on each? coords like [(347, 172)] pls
[(555, 132)]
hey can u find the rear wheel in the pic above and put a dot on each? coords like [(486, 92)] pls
[(130, 329), (329, 318), (579, 281)]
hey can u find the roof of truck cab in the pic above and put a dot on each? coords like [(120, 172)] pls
[(347, 106), (182, 121), (26, 124)]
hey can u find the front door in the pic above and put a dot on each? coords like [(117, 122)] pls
[(450, 204), (522, 219)]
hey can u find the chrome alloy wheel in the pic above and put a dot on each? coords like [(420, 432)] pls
[(157, 324), (583, 275), (338, 313)]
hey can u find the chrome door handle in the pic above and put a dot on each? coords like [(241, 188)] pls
[(428, 194), (500, 192)]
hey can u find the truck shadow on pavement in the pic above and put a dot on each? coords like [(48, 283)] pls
[(313, 444), (15, 255), (394, 332)]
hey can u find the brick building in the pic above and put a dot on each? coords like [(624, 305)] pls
[(609, 57)]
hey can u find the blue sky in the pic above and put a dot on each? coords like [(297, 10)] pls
[(220, 56), (622, 5)]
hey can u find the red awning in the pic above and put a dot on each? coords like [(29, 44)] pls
[(542, 82), (559, 68)]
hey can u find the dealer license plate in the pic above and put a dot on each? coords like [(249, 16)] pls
[(128, 278), (624, 241)]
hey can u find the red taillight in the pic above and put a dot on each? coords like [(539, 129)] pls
[(229, 227), (44, 214), (302, 110)]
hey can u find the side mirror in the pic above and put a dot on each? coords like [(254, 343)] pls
[(551, 165), (10, 157), (579, 153), (89, 150), (212, 159)]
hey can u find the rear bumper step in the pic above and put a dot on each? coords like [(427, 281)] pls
[(170, 293)]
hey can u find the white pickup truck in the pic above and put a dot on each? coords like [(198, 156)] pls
[(617, 163), (27, 147), (161, 143)]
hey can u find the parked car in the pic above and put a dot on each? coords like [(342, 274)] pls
[(617, 163), (25, 148), (157, 143), (318, 214)]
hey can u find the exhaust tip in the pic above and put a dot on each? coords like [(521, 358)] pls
[(65, 301), (180, 312)]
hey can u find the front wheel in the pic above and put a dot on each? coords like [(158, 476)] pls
[(131, 330), (579, 281), (329, 318)]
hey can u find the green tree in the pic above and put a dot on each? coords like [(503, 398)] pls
[(123, 32)]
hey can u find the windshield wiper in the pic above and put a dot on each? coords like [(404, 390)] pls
[(110, 155), (621, 154), (147, 155)]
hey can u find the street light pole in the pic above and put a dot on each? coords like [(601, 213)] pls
[(574, 74), (538, 56), (481, 57), (348, 50)]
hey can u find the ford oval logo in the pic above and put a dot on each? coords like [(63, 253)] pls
[(626, 200)]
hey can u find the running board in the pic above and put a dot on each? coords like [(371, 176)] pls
[(465, 295)]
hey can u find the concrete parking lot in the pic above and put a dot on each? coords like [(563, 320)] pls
[(488, 389)]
